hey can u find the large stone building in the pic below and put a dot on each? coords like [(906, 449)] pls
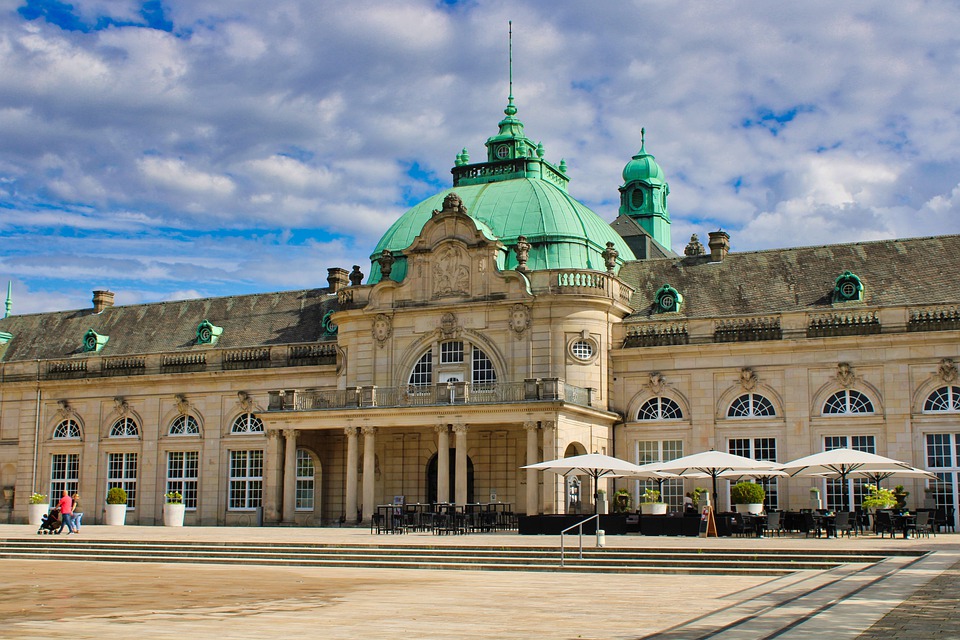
[(502, 323)]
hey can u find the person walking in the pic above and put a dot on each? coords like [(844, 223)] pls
[(77, 512), (66, 513)]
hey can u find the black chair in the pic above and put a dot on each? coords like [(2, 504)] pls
[(883, 523), (773, 523), (944, 519), (923, 524), (809, 523), (844, 523)]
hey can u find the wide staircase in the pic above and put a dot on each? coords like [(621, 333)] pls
[(426, 556)]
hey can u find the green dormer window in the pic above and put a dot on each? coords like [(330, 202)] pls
[(668, 299), (208, 333), (847, 288), (329, 326), (93, 341)]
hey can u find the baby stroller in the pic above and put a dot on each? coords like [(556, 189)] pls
[(50, 522)]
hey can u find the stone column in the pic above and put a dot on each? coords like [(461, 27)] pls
[(533, 476), (369, 471), (460, 431), (443, 463), (550, 481), (273, 484), (353, 456), (290, 475)]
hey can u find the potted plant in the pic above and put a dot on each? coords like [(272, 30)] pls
[(601, 501), (696, 495), (901, 496), (621, 501), (116, 507), (37, 509), (650, 504), (173, 509), (877, 498), (747, 497), (815, 498)]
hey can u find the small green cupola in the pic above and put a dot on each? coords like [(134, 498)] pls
[(93, 341), (668, 300), (643, 195), (847, 288), (208, 333)]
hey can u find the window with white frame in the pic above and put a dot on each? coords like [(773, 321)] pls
[(247, 423), (671, 491), (759, 449), (64, 475), (660, 408), (125, 428), (122, 472), (484, 374), (183, 474), (751, 405), (185, 426), (451, 352), (422, 374), (943, 459), (246, 480), (305, 481), (848, 401), (854, 490), (943, 400), (67, 430)]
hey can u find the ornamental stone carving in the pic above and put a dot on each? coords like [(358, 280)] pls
[(382, 329), (522, 249), (610, 255), (748, 379), (694, 247), (519, 319), (451, 204), (451, 273), (448, 325), (65, 411), (845, 375), (386, 261), (183, 405), (656, 383), (245, 401), (120, 406), (948, 370)]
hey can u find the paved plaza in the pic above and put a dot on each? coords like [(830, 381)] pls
[(911, 598)]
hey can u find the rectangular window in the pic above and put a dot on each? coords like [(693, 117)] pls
[(122, 472), (183, 470), (943, 458), (246, 480), (671, 491), (938, 450), (759, 449), (305, 472), (850, 495), (451, 352), (64, 474)]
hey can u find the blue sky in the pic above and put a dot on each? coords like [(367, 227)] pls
[(184, 148)]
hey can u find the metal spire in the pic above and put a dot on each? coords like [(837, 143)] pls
[(511, 109), (9, 303)]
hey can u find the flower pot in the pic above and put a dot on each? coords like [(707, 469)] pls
[(653, 508), (173, 515), (602, 506), (116, 515), (35, 513), (752, 508)]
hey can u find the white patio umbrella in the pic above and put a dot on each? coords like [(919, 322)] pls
[(843, 463), (595, 465), (876, 476), (715, 464)]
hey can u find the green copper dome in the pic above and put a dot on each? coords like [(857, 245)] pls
[(643, 167)]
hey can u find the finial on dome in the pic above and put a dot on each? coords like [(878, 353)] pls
[(511, 108), (643, 138)]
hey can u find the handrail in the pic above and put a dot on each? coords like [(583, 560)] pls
[(579, 526)]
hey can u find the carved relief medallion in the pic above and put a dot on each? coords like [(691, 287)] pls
[(948, 370), (657, 383), (382, 329), (845, 375), (448, 325), (748, 379), (451, 273), (519, 319)]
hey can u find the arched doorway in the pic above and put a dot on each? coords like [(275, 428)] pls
[(432, 477), (577, 491)]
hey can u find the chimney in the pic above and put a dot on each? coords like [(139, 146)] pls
[(338, 278), (719, 245), (102, 300)]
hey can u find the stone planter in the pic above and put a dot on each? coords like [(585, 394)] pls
[(116, 515), (753, 508), (602, 507), (653, 508), (35, 513), (173, 515)]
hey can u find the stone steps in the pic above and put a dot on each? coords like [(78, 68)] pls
[(425, 556)]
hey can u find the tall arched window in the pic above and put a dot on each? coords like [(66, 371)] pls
[(751, 405), (67, 430), (458, 361), (422, 374), (483, 371), (185, 426), (305, 473), (944, 399), (846, 402), (660, 408), (125, 428), (247, 423)]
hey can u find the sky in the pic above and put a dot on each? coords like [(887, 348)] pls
[(176, 149)]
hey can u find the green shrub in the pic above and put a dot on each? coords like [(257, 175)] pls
[(747, 493), (116, 495), (650, 496), (38, 498)]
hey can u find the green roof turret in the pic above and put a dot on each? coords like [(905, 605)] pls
[(643, 195), (643, 166)]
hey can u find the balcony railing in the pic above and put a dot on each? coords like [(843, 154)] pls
[(443, 393)]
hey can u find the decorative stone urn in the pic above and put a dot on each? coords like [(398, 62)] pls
[(173, 515)]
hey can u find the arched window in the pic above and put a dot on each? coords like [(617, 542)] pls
[(67, 430), (125, 428), (305, 473), (247, 423), (185, 426), (846, 402), (751, 405), (944, 399), (483, 371), (660, 408), (422, 374)]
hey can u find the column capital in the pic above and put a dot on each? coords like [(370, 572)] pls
[(548, 424), (350, 431), (368, 430), (530, 426), (460, 428), (442, 428), (291, 433), (273, 434)]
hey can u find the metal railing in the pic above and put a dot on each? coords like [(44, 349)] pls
[(579, 526)]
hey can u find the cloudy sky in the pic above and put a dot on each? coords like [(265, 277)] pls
[(172, 149)]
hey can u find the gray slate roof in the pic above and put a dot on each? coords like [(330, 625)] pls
[(248, 321), (915, 271)]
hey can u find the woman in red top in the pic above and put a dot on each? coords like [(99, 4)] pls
[(66, 513)]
